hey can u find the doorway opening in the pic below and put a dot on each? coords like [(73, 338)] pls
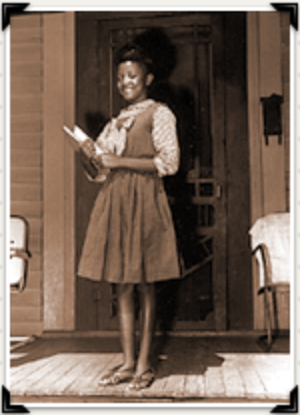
[(189, 48)]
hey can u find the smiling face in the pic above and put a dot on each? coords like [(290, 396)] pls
[(133, 81)]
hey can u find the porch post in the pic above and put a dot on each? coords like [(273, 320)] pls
[(59, 176), (254, 117), (267, 164)]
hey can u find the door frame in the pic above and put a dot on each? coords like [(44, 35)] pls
[(59, 172), (216, 21)]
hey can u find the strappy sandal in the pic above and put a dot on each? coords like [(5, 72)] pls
[(116, 376), (142, 381)]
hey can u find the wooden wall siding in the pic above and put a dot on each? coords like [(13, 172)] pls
[(26, 162), (273, 155)]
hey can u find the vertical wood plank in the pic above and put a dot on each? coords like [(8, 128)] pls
[(218, 132), (254, 119), (69, 176), (239, 285), (53, 171), (58, 172)]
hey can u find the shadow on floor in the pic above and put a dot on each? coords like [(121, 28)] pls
[(173, 355)]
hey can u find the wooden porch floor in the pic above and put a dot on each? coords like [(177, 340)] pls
[(195, 369)]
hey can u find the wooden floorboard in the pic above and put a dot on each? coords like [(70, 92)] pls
[(254, 387), (28, 369), (157, 388), (193, 387), (91, 386), (269, 372), (83, 382), (42, 385), (174, 386), (214, 383), (234, 387), (31, 383), (201, 369), (57, 381), (76, 372)]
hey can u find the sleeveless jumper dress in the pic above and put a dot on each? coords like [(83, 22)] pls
[(130, 236)]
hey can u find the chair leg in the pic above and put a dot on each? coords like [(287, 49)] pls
[(269, 313)]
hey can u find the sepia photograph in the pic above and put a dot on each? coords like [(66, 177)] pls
[(150, 257)]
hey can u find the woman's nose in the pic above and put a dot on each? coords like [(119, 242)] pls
[(126, 80)]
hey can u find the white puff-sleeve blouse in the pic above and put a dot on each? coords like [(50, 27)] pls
[(165, 141), (164, 134)]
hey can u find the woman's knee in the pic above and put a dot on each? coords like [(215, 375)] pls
[(125, 290), (147, 288)]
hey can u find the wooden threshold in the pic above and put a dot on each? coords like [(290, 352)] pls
[(182, 333)]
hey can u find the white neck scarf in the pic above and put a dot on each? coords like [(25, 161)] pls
[(117, 131)]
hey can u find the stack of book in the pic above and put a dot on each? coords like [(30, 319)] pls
[(77, 138)]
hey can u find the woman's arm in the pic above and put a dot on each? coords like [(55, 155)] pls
[(111, 161), (165, 141)]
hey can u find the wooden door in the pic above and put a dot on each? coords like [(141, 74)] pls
[(191, 54)]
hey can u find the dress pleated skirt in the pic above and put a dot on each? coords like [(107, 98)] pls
[(130, 237)]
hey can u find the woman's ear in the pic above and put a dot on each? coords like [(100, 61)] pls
[(149, 79)]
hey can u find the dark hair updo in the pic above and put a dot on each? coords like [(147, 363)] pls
[(134, 53)]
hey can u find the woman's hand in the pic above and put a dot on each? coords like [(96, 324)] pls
[(88, 148), (107, 161)]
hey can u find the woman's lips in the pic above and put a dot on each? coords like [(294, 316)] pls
[(127, 90)]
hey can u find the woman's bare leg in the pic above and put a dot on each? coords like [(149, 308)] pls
[(127, 323), (148, 304)]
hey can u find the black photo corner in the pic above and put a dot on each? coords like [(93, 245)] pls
[(292, 8), (8, 408), (292, 408), (9, 9)]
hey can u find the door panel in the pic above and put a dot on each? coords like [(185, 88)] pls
[(195, 93)]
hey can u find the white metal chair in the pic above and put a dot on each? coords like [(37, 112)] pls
[(271, 247), (19, 254)]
